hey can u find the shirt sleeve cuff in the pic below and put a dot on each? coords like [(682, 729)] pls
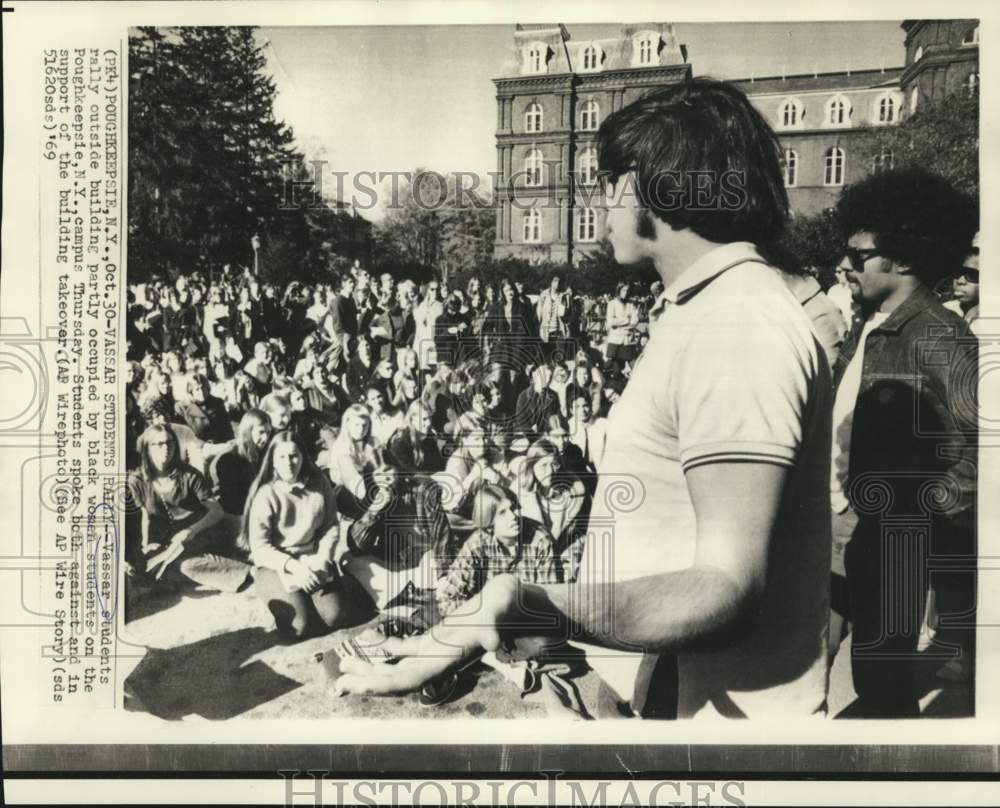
[(737, 452)]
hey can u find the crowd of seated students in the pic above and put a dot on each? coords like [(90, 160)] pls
[(286, 439)]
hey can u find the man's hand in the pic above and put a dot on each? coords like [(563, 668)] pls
[(471, 629)]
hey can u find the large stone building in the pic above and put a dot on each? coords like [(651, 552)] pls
[(550, 101), (818, 118), (554, 93)]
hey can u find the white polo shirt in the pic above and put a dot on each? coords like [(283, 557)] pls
[(733, 372)]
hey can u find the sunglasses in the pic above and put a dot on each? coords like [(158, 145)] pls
[(858, 257), (969, 274)]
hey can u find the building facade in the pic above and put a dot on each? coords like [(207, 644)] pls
[(550, 102), (818, 119), (555, 92)]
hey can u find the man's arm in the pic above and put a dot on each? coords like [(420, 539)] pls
[(673, 610), (699, 605)]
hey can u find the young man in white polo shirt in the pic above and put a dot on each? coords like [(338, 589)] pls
[(719, 551)]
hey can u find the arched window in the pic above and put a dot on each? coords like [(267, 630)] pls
[(914, 96), (533, 168), (790, 167), (790, 113), (838, 111), (833, 173), (588, 166), (886, 110), (971, 83), (646, 51), (533, 117), (590, 58), (971, 36), (589, 116), (586, 225), (533, 226)]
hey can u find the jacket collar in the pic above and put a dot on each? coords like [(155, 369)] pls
[(921, 299)]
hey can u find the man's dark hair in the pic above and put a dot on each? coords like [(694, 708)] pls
[(918, 220), (703, 158)]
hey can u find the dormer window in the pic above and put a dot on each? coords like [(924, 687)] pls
[(886, 110), (790, 114), (591, 57), (645, 51), (971, 37), (536, 58), (645, 45), (838, 111)]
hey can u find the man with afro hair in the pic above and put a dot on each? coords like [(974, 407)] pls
[(903, 485)]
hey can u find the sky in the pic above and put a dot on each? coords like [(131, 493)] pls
[(397, 98)]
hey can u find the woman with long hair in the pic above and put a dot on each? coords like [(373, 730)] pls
[(352, 456), (290, 528), (413, 444), (360, 369), (233, 471), (555, 499), (178, 517), (510, 329), (204, 413), (157, 388)]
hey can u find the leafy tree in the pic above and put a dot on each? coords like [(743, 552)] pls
[(941, 136), (813, 244), (434, 225)]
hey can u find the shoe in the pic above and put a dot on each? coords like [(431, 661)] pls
[(439, 690)]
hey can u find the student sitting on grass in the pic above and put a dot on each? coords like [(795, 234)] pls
[(502, 543), (290, 526)]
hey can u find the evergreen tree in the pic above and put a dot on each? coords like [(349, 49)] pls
[(210, 164)]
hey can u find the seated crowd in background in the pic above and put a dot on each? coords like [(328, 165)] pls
[(272, 434), (275, 435)]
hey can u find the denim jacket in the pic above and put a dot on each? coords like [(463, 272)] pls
[(914, 440)]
